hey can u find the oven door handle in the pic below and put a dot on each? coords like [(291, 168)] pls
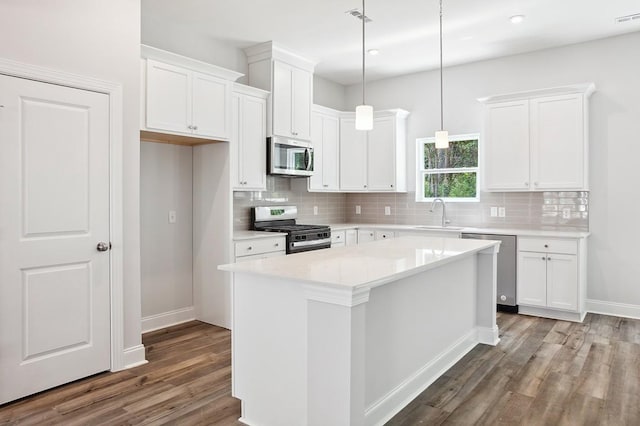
[(310, 243)]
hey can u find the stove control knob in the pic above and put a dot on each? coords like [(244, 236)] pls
[(503, 298)]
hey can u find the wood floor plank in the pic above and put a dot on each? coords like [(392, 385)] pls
[(543, 372)]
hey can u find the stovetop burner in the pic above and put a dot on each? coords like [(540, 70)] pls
[(283, 219)]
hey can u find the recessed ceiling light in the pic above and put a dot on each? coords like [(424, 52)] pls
[(373, 52), (516, 19)]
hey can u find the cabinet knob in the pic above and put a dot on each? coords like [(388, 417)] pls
[(548, 258), (546, 246), (277, 244), (365, 186), (544, 258), (337, 237), (190, 127), (325, 185), (526, 184), (535, 183), (391, 185), (195, 127), (249, 248)]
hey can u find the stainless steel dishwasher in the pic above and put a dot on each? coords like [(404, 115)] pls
[(506, 299)]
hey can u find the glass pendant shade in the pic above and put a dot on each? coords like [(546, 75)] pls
[(364, 117), (442, 139)]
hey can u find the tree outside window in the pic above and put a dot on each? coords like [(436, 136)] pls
[(450, 173)]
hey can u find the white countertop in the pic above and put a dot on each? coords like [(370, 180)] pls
[(370, 264), (251, 235), (471, 230)]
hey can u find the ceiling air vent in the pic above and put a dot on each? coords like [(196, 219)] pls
[(357, 14), (628, 18)]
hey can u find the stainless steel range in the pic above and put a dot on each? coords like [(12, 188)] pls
[(283, 219)]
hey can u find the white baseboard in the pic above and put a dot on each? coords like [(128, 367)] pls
[(134, 356), (167, 319), (488, 335), (613, 309), (551, 313), (389, 405)]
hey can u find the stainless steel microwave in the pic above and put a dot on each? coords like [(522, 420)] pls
[(289, 157)]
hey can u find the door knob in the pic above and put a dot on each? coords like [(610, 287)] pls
[(102, 246)]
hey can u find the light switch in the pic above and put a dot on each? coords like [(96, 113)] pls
[(494, 212), (315, 210), (501, 212), (172, 216), (358, 210), (387, 210), (566, 213)]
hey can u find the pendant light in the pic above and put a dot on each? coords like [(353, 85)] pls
[(442, 136), (364, 112)]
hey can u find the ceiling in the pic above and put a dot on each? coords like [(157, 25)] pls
[(404, 31)]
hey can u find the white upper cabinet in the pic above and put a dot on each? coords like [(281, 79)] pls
[(538, 140), (289, 78), (325, 137), (248, 138), (374, 160), (184, 96), (506, 141)]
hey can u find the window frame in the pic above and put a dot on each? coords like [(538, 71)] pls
[(421, 172)]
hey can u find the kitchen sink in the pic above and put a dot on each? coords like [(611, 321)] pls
[(440, 228)]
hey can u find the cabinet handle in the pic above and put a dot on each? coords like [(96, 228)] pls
[(526, 184), (249, 248), (195, 127), (548, 258), (546, 246), (277, 244), (365, 186), (544, 258), (391, 185), (294, 133), (337, 237), (325, 185), (190, 127)]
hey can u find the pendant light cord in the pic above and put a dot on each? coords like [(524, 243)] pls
[(363, 51), (441, 90)]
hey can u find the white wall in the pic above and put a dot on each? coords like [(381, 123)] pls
[(99, 39), (328, 93), (166, 249), (614, 66), (184, 41)]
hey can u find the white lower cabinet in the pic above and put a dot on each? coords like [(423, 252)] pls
[(260, 248), (551, 277), (338, 238), (384, 235), (366, 235)]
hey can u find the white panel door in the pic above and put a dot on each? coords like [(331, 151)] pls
[(253, 154), (210, 106), (54, 209), (506, 146), (301, 103), (353, 156), (168, 97), (316, 181), (557, 142), (282, 99), (562, 281), (382, 155), (532, 279)]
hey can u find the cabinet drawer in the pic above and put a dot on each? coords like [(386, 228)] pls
[(260, 256), (338, 237), (548, 245), (384, 235), (259, 246)]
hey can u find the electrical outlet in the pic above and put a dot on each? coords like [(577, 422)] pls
[(501, 212), (566, 213), (387, 210), (494, 212), (172, 216), (315, 210), (358, 210)]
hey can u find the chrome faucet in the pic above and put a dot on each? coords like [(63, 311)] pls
[(445, 221)]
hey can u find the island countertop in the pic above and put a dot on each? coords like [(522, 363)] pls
[(365, 265)]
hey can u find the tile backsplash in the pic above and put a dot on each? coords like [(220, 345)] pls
[(536, 210)]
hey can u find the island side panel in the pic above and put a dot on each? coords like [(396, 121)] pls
[(417, 328), (487, 292), (269, 350)]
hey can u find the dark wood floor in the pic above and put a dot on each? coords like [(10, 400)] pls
[(543, 372)]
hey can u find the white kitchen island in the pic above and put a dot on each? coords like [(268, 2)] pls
[(350, 335)]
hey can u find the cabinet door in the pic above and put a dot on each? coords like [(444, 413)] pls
[(253, 143), (282, 96), (234, 143), (366, 235), (301, 103), (317, 131), (562, 281), (353, 156), (532, 279), (506, 146), (168, 97), (330, 153), (557, 143), (210, 106), (381, 155), (351, 237)]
